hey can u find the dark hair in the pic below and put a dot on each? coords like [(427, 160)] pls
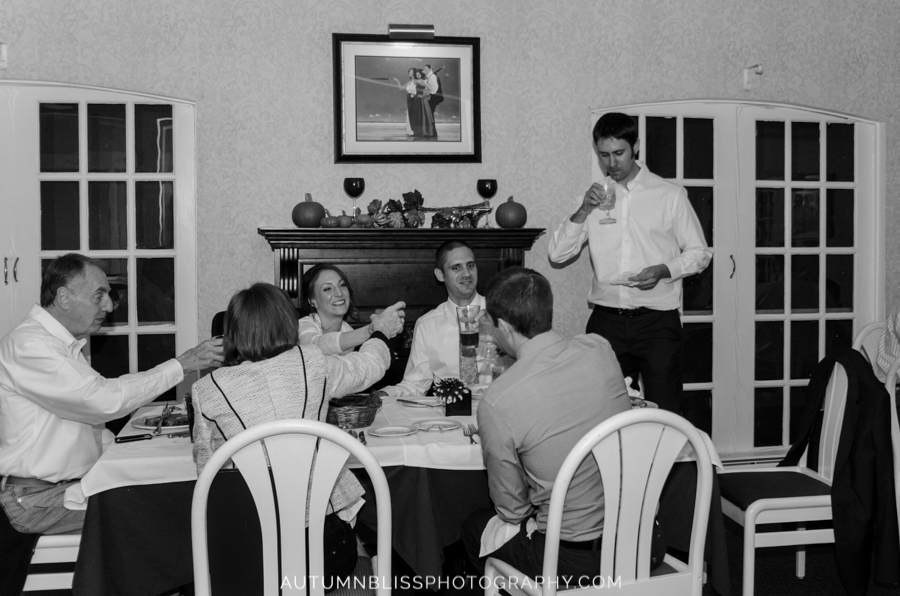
[(616, 125), (441, 255), (523, 298), (260, 323), (308, 282), (60, 272)]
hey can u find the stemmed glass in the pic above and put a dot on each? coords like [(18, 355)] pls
[(487, 188), (607, 200), (354, 187)]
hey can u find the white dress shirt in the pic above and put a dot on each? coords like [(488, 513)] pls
[(434, 353), (53, 404), (655, 224), (311, 332)]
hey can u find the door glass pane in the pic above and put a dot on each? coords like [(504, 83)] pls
[(117, 275), (698, 348), (698, 148), (838, 335), (59, 137), (109, 355), (769, 284), (106, 137), (107, 216), (769, 150), (769, 351), (805, 151), (155, 291), (839, 283), (805, 218), (60, 216), (154, 217), (153, 138), (701, 198), (769, 217), (697, 408), (804, 348), (154, 350), (798, 401), (660, 146), (805, 283), (698, 289), (767, 416), (839, 217), (839, 152)]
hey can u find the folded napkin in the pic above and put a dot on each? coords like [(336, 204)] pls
[(498, 532)]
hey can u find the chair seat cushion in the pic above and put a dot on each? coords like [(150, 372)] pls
[(745, 488)]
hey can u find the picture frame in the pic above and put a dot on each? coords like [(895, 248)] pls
[(385, 106)]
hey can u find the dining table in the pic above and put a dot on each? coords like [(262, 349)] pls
[(136, 536)]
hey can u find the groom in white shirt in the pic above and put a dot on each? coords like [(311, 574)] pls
[(656, 237)]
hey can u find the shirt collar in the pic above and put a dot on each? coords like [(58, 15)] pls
[(56, 329), (639, 181), (538, 343)]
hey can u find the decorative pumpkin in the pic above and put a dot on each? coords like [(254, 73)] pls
[(344, 220), (511, 214), (330, 221), (308, 214), (364, 220)]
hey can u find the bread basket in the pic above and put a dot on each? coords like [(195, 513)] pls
[(356, 410)]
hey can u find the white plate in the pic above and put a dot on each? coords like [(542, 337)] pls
[(439, 425), (149, 422), (393, 431), (637, 403), (426, 402)]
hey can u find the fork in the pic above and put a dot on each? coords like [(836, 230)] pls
[(469, 431)]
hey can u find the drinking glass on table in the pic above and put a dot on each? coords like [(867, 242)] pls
[(607, 200), (466, 317)]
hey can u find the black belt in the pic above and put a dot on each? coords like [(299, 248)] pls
[(31, 481), (624, 312), (586, 545)]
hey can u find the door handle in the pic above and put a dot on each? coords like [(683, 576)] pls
[(733, 267), (5, 272), (16, 270)]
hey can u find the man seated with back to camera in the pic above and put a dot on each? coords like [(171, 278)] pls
[(529, 420), (53, 405)]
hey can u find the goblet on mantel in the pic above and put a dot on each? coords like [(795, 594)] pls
[(354, 187), (487, 188)]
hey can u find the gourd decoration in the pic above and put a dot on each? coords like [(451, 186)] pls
[(344, 220), (330, 221), (511, 214), (308, 214)]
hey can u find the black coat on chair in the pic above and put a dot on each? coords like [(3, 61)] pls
[(863, 501)]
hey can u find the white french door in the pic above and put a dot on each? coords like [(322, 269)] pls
[(791, 200)]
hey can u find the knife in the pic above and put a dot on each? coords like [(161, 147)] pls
[(131, 438), (418, 403)]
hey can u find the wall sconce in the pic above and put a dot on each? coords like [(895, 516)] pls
[(756, 69), (405, 31)]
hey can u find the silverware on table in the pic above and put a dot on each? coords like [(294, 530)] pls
[(362, 437), (467, 430), (131, 438), (162, 418), (418, 403)]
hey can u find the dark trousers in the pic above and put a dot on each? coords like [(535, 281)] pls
[(527, 554), (648, 345)]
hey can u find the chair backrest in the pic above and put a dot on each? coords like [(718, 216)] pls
[(634, 451), (305, 458), (866, 341), (890, 384), (832, 419)]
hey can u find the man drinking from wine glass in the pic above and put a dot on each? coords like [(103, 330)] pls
[(654, 236)]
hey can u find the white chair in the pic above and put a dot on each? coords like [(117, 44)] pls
[(799, 495), (867, 340), (53, 548), (634, 451), (306, 458), (890, 383)]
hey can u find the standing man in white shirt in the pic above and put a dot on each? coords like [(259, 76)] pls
[(434, 353), (53, 405), (656, 238), (435, 97)]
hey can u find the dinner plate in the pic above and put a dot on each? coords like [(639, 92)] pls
[(392, 431), (637, 402), (439, 425), (149, 422), (425, 402)]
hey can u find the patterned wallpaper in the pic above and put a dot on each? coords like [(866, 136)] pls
[(260, 72)]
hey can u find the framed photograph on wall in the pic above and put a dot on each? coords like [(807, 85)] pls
[(406, 101)]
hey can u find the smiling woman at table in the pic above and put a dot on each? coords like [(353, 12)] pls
[(268, 377), (330, 298)]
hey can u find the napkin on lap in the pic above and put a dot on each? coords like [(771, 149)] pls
[(498, 532)]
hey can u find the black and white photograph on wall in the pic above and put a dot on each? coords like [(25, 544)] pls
[(406, 101)]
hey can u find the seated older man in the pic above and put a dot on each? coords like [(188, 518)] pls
[(53, 404)]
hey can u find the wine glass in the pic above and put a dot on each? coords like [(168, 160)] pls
[(354, 187), (607, 202), (486, 188)]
